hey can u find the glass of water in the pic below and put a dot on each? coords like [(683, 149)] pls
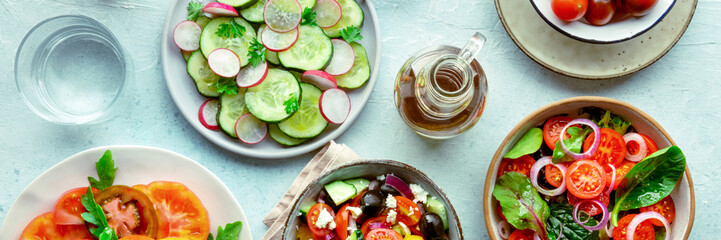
[(72, 70)]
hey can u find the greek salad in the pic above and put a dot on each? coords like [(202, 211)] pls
[(385, 207), (603, 180), (274, 67), (105, 211)]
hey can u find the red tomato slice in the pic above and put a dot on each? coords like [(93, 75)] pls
[(611, 149), (312, 218), (522, 164), (590, 208), (621, 171), (383, 234), (408, 211), (366, 227), (180, 212), (553, 175), (128, 210), (137, 237), (341, 222), (585, 179), (644, 231), (43, 227), (665, 207), (651, 147), (525, 234), (68, 207), (552, 130)]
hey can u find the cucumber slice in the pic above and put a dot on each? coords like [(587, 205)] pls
[(202, 21), (209, 41), (186, 55), (231, 108), (254, 13), (204, 78), (352, 16), (435, 206), (340, 191), (312, 51), (267, 100), (360, 184), (361, 71), (307, 122), (238, 3), (284, 139)]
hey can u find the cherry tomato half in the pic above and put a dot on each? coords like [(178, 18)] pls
[(621, 171), (366, 227), (522, 234), (312, 218), (341, 222), (611, 148), (129, 211), (553, 175), (651, 147), (588, 207), (644, 231), (522, 164), (408, 212), (43, 227), (383, 234), (569, 10), (68, 207), (600, 12), (585, 179), (552, 130), (665, 207)]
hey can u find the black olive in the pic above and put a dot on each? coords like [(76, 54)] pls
[(388, 190), (431, 226), (372, 202), (373, 185), (327, 199)]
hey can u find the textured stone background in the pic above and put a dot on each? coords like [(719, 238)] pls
[(681, 91)]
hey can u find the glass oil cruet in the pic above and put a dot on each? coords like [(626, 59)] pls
[(440, 92)]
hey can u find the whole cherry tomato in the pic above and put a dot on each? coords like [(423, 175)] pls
[(569, 10), (600, 12)]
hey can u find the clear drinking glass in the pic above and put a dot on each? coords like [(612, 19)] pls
[(72, 70), (440, 92)]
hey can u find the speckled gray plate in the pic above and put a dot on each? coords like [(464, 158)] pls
[(578, 59)]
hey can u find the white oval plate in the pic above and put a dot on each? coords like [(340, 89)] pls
[(188, 100), (136, 165)]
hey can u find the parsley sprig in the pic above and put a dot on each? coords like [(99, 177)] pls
[(231, 231), (194, 10), (351, 34), (105, 167), (308, 17), (230, 30), (291, 105), (226, 85), (256, 53)]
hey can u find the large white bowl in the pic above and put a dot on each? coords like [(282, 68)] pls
[(613, 32)]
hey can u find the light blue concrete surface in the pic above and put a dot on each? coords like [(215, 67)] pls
[(681, 91)]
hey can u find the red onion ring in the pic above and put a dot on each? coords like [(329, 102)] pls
[(399, 185), (638, 219), (329, 236), (642, 150), (601, 224), (536, 169), (609, 229), (613, 180), (504, 229), (594, 146), (375, 225)]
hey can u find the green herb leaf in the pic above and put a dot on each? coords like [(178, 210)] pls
[(291, 105), (96, 216), (613, 122), (308, 17), (573, 144), (561, 220), (521, 204), (227, 86), (231, 231), (256, 52), (351, 34), (649, 181), (230, 30), (529, 143), (105, 167), (194, 10)]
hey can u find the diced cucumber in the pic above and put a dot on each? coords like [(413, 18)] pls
[(352, 16), (340, 191), (357, 235), (282, 138), (435, 206), (254, 13), (307, 122), (202, 21), (360, 184), (204, 78), (231, 108), (306, 208), (267, 101), (238, 3), (209, 41), (312, 51), (361, 71)]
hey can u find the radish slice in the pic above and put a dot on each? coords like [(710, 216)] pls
[(278, 42), (642, 148), (250, 130), (282, 15), (334, 105), (342, 60), (186, 35), (251, 76), (208, 113), (320, 79), (328, 13), (224, 62), (220, 10)]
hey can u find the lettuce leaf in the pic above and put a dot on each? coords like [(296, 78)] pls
[(521, 204)]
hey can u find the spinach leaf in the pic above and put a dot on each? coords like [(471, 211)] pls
[(574, 144), (561, 220), (649, 181), (613, 122), (528, 144), (521, 204)]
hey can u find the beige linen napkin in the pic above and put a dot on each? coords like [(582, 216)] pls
[(331, 155)]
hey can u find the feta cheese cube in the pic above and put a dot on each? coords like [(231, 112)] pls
[(325, 220), (419, 194), (391, 218), (391, 202)]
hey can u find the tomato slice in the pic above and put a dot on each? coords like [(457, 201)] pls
[(43, 227), (585, 179), (522, 164), (644, 231), (590, 208), (408, 211), (312, 218), (521, 234), (651, 147), (611, 149), (68, 207), (553, 175), (621, 171), (341, 222), (552, 130), (665, 207), (366, 227), (128, 211), (383, 234), (136, 237), (180, 212)]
